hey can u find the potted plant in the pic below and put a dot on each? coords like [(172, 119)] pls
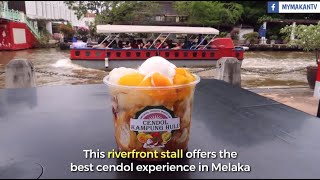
[(308, 38), (83, 31), (273, 39), (66, 30), (234, 34), (251, 38)]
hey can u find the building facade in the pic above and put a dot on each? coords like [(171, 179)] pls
[(52, 12), (22, 21)]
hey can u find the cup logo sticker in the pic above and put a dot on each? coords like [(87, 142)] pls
[(154, 126)]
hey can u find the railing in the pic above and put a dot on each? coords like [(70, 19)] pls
[(31, 27), (13, 15), (10, 14)]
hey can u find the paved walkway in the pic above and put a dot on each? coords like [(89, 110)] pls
[(297, 97)]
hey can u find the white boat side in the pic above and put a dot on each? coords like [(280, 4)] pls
[(155, 29)]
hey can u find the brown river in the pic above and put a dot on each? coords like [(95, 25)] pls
[(254, 74)]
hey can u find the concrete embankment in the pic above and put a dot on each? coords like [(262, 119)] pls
[(298, 97)]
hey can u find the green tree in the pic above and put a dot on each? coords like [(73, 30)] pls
[(252, 10), (306, 37), (210, 13), (127, 11), (97, 7), (114, 11)]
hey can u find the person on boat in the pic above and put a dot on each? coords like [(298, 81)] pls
[(178, 46), (158, 44), (127, 46), (79, 44), (186, 44), (101, 45), (140, 44), (74, 39), (120, 44), (134, 44), (148, 44), (170, 44), (84, 39), (113, 45), (165, 45), (199, 38)]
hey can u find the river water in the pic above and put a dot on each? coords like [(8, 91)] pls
[(57, 61)]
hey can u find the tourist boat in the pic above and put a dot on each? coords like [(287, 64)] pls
[(195, 56)]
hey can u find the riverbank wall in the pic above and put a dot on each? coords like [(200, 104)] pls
[(271, 47)]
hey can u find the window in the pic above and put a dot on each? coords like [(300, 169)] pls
[(118, 54), (108, 54), (203, 54), (138, 54), (159, 18), (176, 54), (212, 54), (194, 54), (77, 53), (98, 53), (185, 54), (167, 54), (87, 53), (148, 54), (128, 54), (170, 19)]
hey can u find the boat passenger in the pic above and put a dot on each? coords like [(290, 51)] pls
[(134, 44), (113, 45), (74, 39), (170, 44), (148, 44), (158, 44), (140, 44), (101, 45), (120, 44), (178, 46), (187, 43), (127, 46), (165, 45), (79, 44)]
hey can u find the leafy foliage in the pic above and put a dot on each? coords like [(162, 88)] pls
[(114, 11), (306, 36), (92, 29), (223, 34), (273, 37), (251, 37), (264, 18), (83, 31), (209, 13), (66, 30), (97, 7)]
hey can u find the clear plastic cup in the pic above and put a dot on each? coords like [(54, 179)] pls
[(152, 118)]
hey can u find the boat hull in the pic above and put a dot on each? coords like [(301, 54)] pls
[(98, 64), (114, 58)]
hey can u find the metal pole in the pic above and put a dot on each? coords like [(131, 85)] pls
[(201, 41), (164, 40), (112, 40), (210, 41), (318, 62), (106, 38), (318, 114), (155, 40)]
